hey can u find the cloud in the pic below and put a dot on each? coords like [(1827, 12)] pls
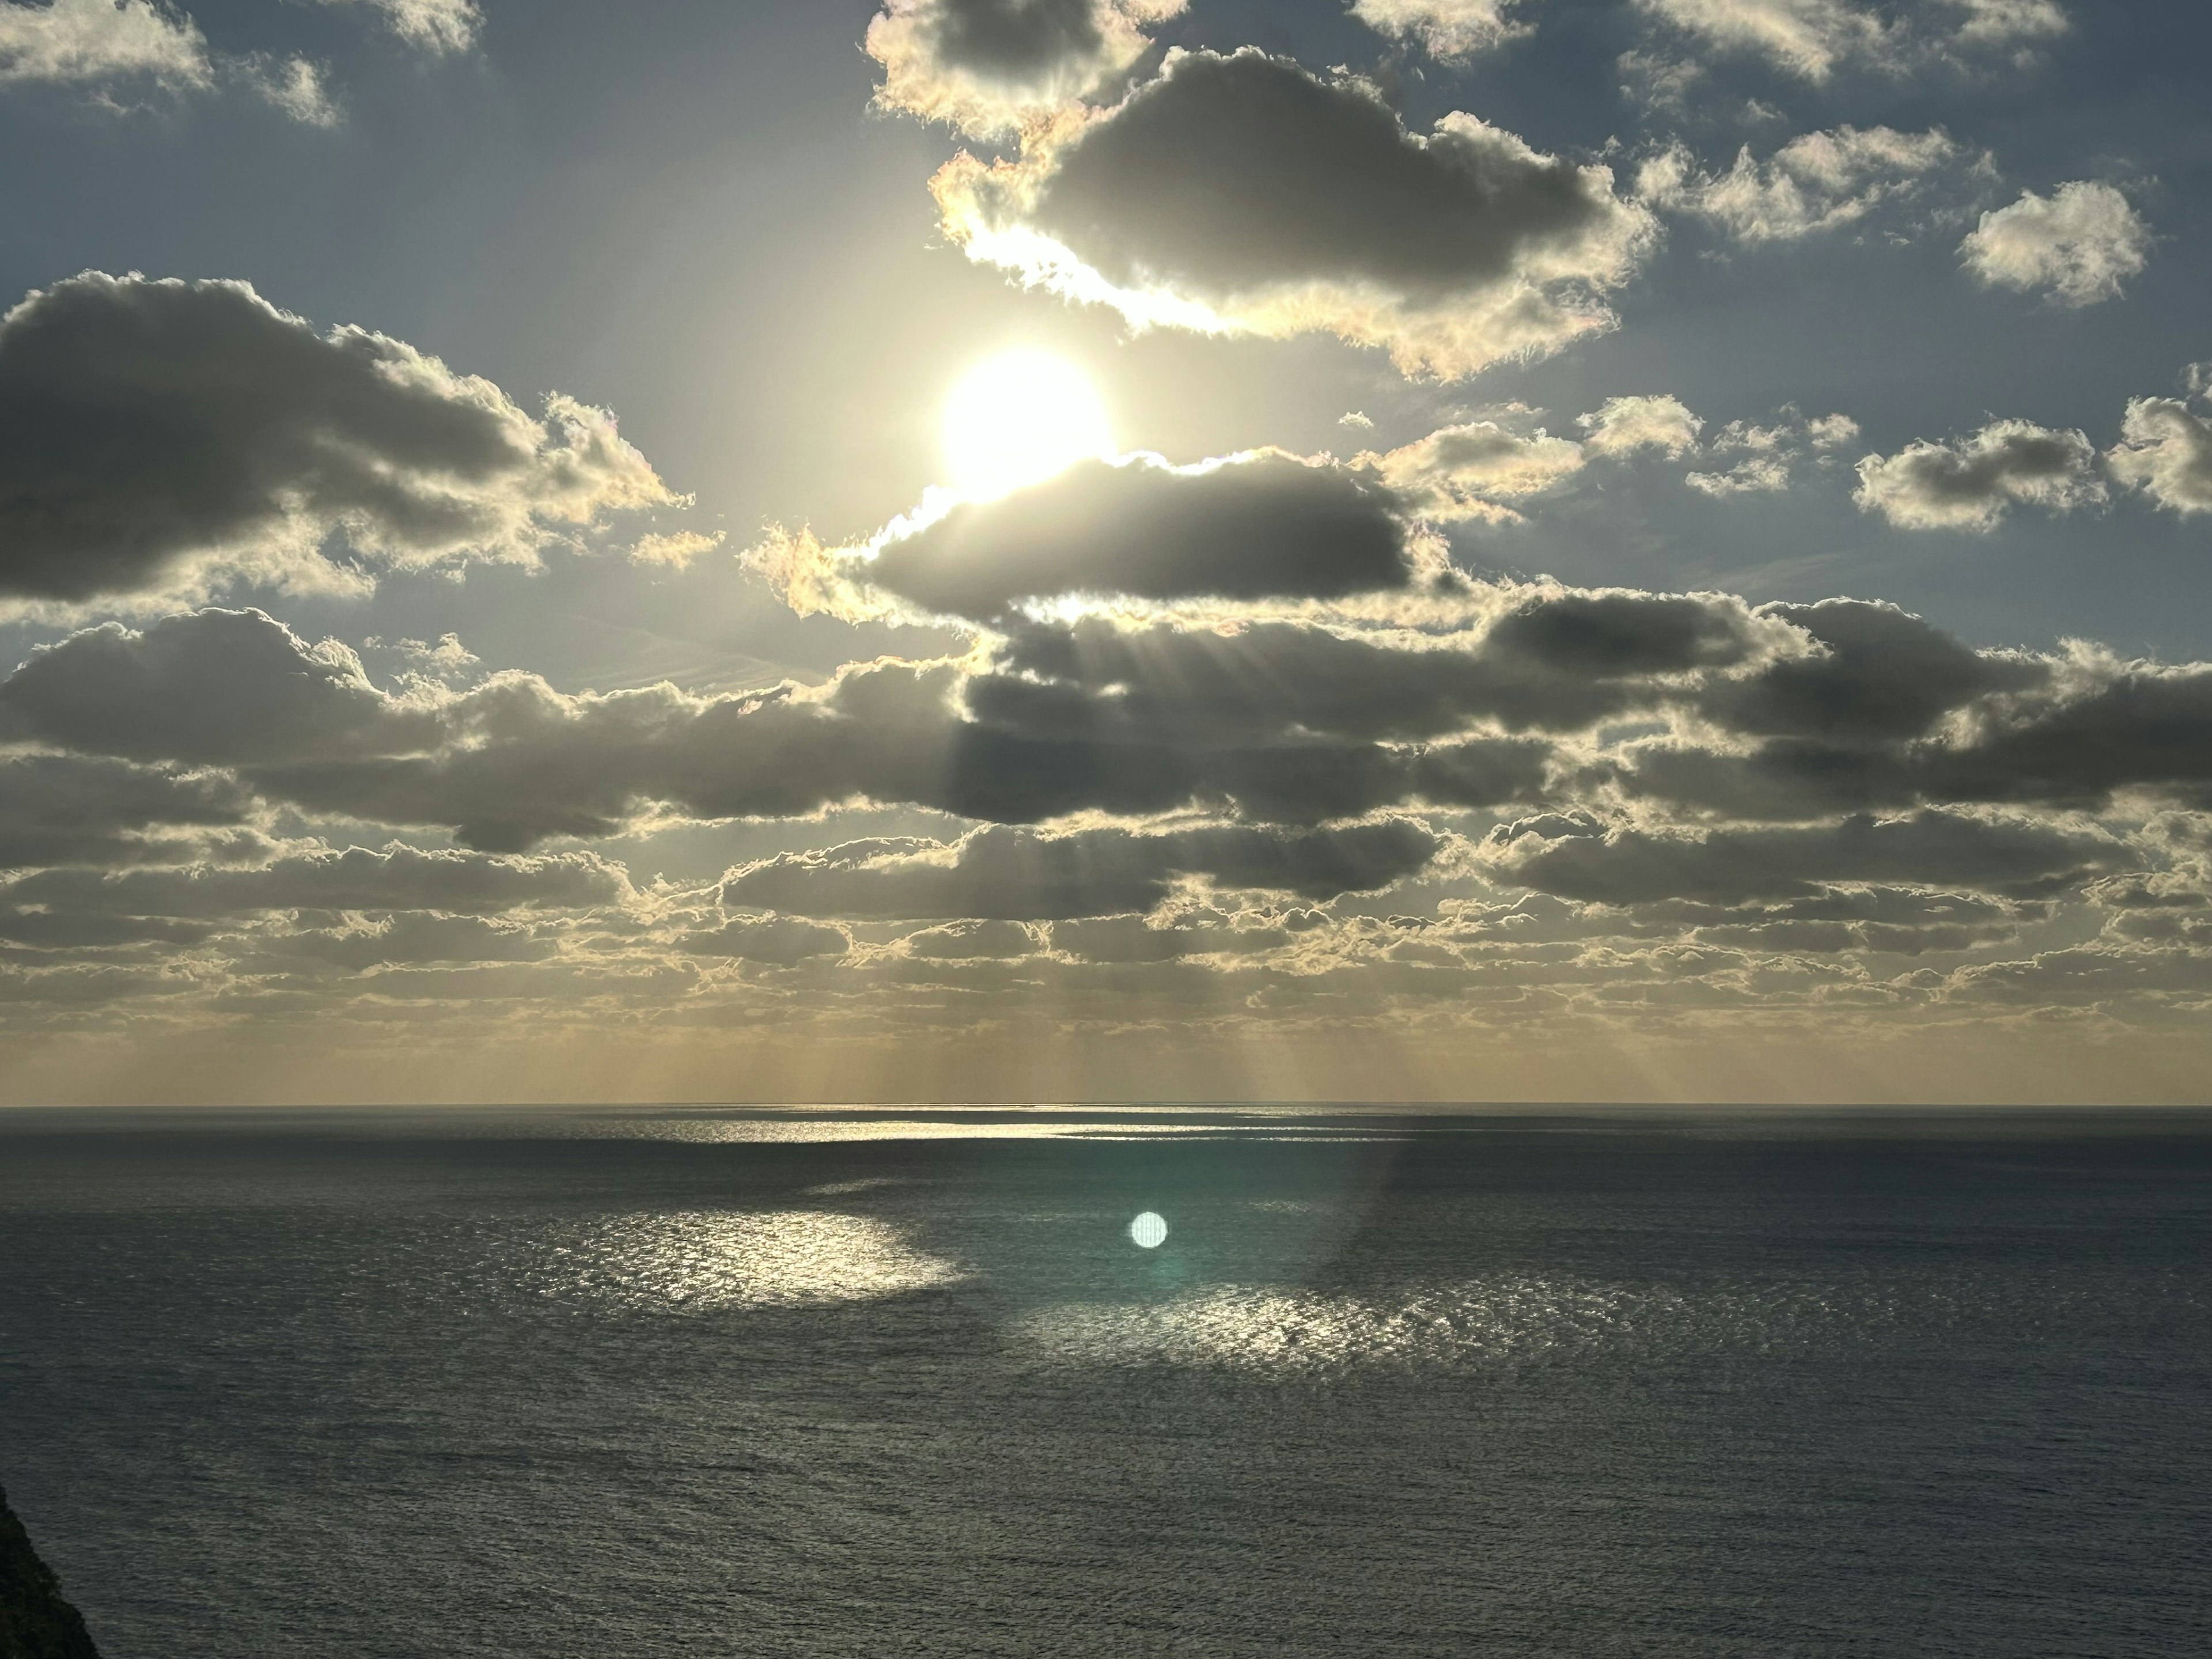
[(1818, 181), (2107, 725), (436, 26), (1711, 806), (1876, 673), (2165, 450), (1807, 38), (154, 433), (1463, 472), (1139, 939), (212, 688), (1263, 525), (1240, 194), (1545, 659), (781, 941), (1260, 528), (507, 761), (1014, 875), (2007, 23), (1813, 40), (396, 878), (104, 814), (109, 46), (1579, 859), (1622, 425), (2079, 243), (403, 939), (989, 67), (1292, 720), (89, 41), (1715, 710), (1768, 455), (1450, 31), (296, 87), (676, 549), (1971, 483), (1892, 713), (974, 941)]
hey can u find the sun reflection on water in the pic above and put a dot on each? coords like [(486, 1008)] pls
[(775, 1259)]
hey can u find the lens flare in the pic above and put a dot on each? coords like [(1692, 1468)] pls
[(1016, 419)]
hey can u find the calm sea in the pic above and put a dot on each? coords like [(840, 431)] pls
[(616, 1384)]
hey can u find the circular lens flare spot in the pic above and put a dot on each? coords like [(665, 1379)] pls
[(1148, 1231), (1016, 419)]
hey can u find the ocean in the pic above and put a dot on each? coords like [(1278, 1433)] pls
[(536, 1385)]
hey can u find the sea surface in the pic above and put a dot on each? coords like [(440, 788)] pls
[(605, 1384)]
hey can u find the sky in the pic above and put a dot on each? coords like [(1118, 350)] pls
[(1102, 549)]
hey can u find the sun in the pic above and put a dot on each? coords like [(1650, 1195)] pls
[(1016, 419)]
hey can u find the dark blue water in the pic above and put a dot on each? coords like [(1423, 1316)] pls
[(702, 1385)]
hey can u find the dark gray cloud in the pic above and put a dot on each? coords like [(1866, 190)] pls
[(988, 66), (1012, 875), (529, 762), (1261, 526), (2134, 726), (147, 428), (1787, 713), (1576, 858), (1879, 673), (70, 809), (505, 763), (213, 686), (1279, 202), (1241, 173), (1017, 41), (1555, 660)]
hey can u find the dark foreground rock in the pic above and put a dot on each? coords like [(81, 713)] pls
[(35, 1623)]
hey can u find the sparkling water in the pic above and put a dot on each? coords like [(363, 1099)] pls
[(747, 1383)]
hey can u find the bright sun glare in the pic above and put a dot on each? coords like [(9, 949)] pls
[(1020, 417)]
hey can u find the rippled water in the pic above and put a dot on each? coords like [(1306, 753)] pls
[(751, 1384)]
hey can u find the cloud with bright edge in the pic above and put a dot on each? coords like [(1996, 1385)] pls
[(1971, 483), (112, 45), (1677, 781), (154, 433), (991, 68), (1469, 471), (1241, 194)]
